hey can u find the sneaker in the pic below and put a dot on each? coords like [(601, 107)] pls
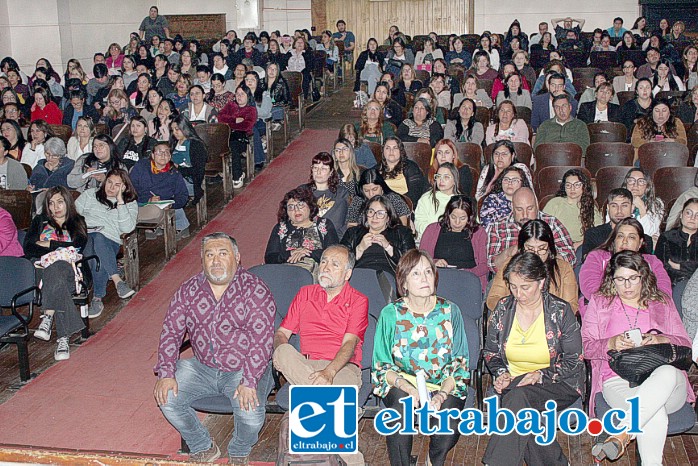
[(44, 330), (275, 126), (206, 456), (96, 308), (237, 184), (181, 234), (123, 290), (258, 168), (264, 144), (62, 350)]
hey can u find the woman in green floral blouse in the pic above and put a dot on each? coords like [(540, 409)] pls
[(420, 331)]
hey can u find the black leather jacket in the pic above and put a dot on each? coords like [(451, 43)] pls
[(399, 237), (279, 92)]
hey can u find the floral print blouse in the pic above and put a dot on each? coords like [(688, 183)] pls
[(495, 207), (285, 238), (435, 343)]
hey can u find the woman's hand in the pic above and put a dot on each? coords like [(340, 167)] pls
[(44, 244), (502, 382), (120, 195), (440, 263), (674, 265), (366, 242), (437, 400), (239, 120), (424, 140), (297, 255), (531, 378), (154, 198), (651, 339), (640, 205), (384, 243), (620, 343)]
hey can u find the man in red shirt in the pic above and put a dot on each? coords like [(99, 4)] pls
[(331, 319)]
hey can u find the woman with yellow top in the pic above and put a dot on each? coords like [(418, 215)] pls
[(534, 351), (420, 332), (401, 174)]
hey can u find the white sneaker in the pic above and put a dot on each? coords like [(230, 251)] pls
[(275, 126), (237, 184), (44, 330), (62, 350)]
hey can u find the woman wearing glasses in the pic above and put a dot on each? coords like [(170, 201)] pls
[(503, 156), (648, 209), (497, 204), (537, 237), (300, 236), (629, 299), (380, 240), (677, 249), (332, 198), (433, 203), (574, 205), (51, 171)]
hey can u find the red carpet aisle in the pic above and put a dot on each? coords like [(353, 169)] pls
[(101, 399)]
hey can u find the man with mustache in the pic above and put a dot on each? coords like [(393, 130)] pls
[(228, 314), (331, 319)]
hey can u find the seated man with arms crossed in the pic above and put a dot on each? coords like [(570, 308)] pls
[(228, 314), (331, 319)]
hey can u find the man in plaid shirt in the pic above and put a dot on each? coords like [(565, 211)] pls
[(503, 236)]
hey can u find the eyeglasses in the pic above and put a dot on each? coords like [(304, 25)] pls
[(161, 152), (379, 214), (501, 155), (630, 67), (633, 181), (575, 185), (508, 180), (296, 206), (634, 280), (321, 168), (48, 154), (690, 214), (538, 251), (445, 177)]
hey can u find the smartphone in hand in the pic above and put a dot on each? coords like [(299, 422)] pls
[(635, 335)]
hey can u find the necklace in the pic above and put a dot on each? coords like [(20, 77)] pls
[(634, 325)]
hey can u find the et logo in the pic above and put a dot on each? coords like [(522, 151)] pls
[(323, 419)]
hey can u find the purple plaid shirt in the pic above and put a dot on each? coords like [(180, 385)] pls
[(505, 233), (232, 334)]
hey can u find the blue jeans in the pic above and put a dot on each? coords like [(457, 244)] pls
[(181, 220), (277, 113), (106, 250), (260, 128), (195, 381)]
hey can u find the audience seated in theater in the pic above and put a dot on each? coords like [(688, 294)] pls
[(497, 204), (648, 209), (401, 174), (602, 108), (345, 166), (521, 62), (503, 156), (507, 69), (136, 144), (555, 65), (277, 86), (545, 41), (300, 236), (627, 81), (441, 67), (441, 92), (627, 235), (458, 56), (113, 208), (44, 108), (189, 155), (432, 204), (533, 349), (515, 39), (180, 96), (80, 142), (398, 56), (619, 205), (241, 116), (371, 184), (420, 331), (486, 45), (406, 83), (506, 126), (392, 110), (9, 244), (424, 59), (157, 179), (647, 70), (639, 107), (373, 127), (380, 240), (104, 157), (11, 111), (300, 58), (659, 124), (369, 66), (574, 205), (690, 63), (629, 293), (364, 154), (456, 240), (688, 109), (676, 210), (146, 99), (39, 133), (51, 171), (536, 237), (543, 108), (58, 226), (199, 111), (159, 127), (331, 196), (501, 245), (421, 125), (589, 95), (465, 127), (677, 249), (331, 349), (664, 80), (514, 92), (437, 111), (445, 152), (12, 173), (481, 67), (563, 127), (536, 37), (243, 373)]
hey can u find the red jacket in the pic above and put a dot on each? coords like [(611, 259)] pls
[(232, 111), (51, 114)]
